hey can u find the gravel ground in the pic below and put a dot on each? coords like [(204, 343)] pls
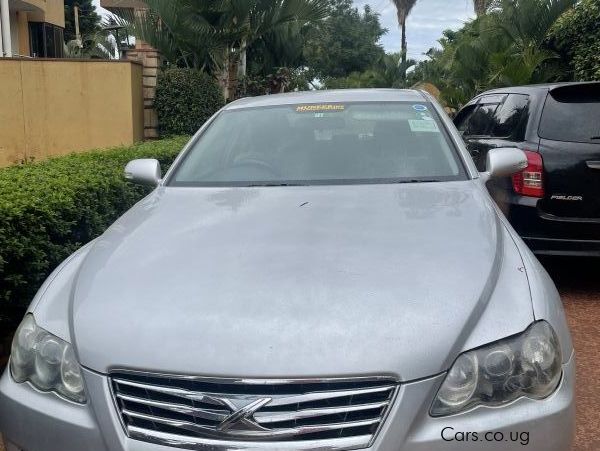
[(579, 283)]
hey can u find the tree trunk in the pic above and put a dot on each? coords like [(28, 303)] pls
[(232, 80), (224, 76), (243, 60), (480, 7), (404, 50)]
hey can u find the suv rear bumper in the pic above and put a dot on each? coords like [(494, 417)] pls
[(566, 247), (552, 235)]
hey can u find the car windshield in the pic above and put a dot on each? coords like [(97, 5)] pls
[(309, 144)]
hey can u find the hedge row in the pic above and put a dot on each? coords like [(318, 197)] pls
[(185, 99), (49, 209)]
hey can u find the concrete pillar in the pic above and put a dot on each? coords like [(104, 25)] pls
[(5, 20), (23, 33)]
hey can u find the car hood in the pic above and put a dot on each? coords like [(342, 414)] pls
[(299, 282)]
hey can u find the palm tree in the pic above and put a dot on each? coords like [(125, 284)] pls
[(258, 20), (505, 47), (403, 9), (214, 35), (100, 44)]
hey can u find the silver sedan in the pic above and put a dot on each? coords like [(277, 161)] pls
[(316, 271)]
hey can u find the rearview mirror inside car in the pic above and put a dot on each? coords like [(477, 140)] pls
[(504, 161), (144, 171)]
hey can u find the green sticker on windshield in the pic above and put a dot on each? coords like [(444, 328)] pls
[(423, 126)]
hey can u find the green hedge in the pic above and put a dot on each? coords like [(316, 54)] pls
[(577, 36), (49, 209), (185, 99)]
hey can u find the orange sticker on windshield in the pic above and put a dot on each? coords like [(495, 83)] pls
[(318, 108)]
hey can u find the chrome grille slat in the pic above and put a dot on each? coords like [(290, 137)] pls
[(162, 438), (267, 433), (274, 417), (320, 396), (189, 412), (204, 397), (179, 408)]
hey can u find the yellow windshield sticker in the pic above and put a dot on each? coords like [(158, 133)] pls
[(423, 126), (319, 108)]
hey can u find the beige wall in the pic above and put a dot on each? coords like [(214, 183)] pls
[(55, 107), (51, 11)]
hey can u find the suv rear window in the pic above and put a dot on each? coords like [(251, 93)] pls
[(572, 113)]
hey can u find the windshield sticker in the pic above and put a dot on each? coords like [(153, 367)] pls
[(419, 107), (319, 108), (425, 116), (423, 126)]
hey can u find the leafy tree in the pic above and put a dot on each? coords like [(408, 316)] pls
[(89, 20), (100, 45), (346, 41), (576, 35), (507, 46), (388, 72)]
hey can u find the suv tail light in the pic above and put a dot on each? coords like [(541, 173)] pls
[(530, 181)]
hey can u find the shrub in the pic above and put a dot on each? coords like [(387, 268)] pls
[(185, 99), (577, 36), (49, 209)]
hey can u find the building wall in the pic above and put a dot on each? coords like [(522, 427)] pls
[(55, 107), (53, 12)]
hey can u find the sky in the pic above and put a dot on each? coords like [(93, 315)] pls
[(424, 26)]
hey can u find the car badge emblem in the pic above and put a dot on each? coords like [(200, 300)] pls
[(567, 198), (242, 415)]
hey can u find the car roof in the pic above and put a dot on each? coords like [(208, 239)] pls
[(527, 89), (330, 96)]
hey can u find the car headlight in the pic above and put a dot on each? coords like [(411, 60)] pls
[(46, 361), (528, 364)]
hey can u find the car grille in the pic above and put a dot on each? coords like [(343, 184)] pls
[(193, 412)]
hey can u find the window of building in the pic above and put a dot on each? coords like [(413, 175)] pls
[(46, 40)]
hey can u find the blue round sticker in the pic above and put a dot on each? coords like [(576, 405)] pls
[(419, 107)]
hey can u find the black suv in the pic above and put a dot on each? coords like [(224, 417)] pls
[(554, 204)]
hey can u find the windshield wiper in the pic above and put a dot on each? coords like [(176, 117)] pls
[(417, 181)]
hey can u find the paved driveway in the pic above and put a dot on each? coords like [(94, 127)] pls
[(579, 284)]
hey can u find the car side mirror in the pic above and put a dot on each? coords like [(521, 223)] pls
[(503, 162), (144, 171)]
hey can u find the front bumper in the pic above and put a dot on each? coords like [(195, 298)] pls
[(34, 421)]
